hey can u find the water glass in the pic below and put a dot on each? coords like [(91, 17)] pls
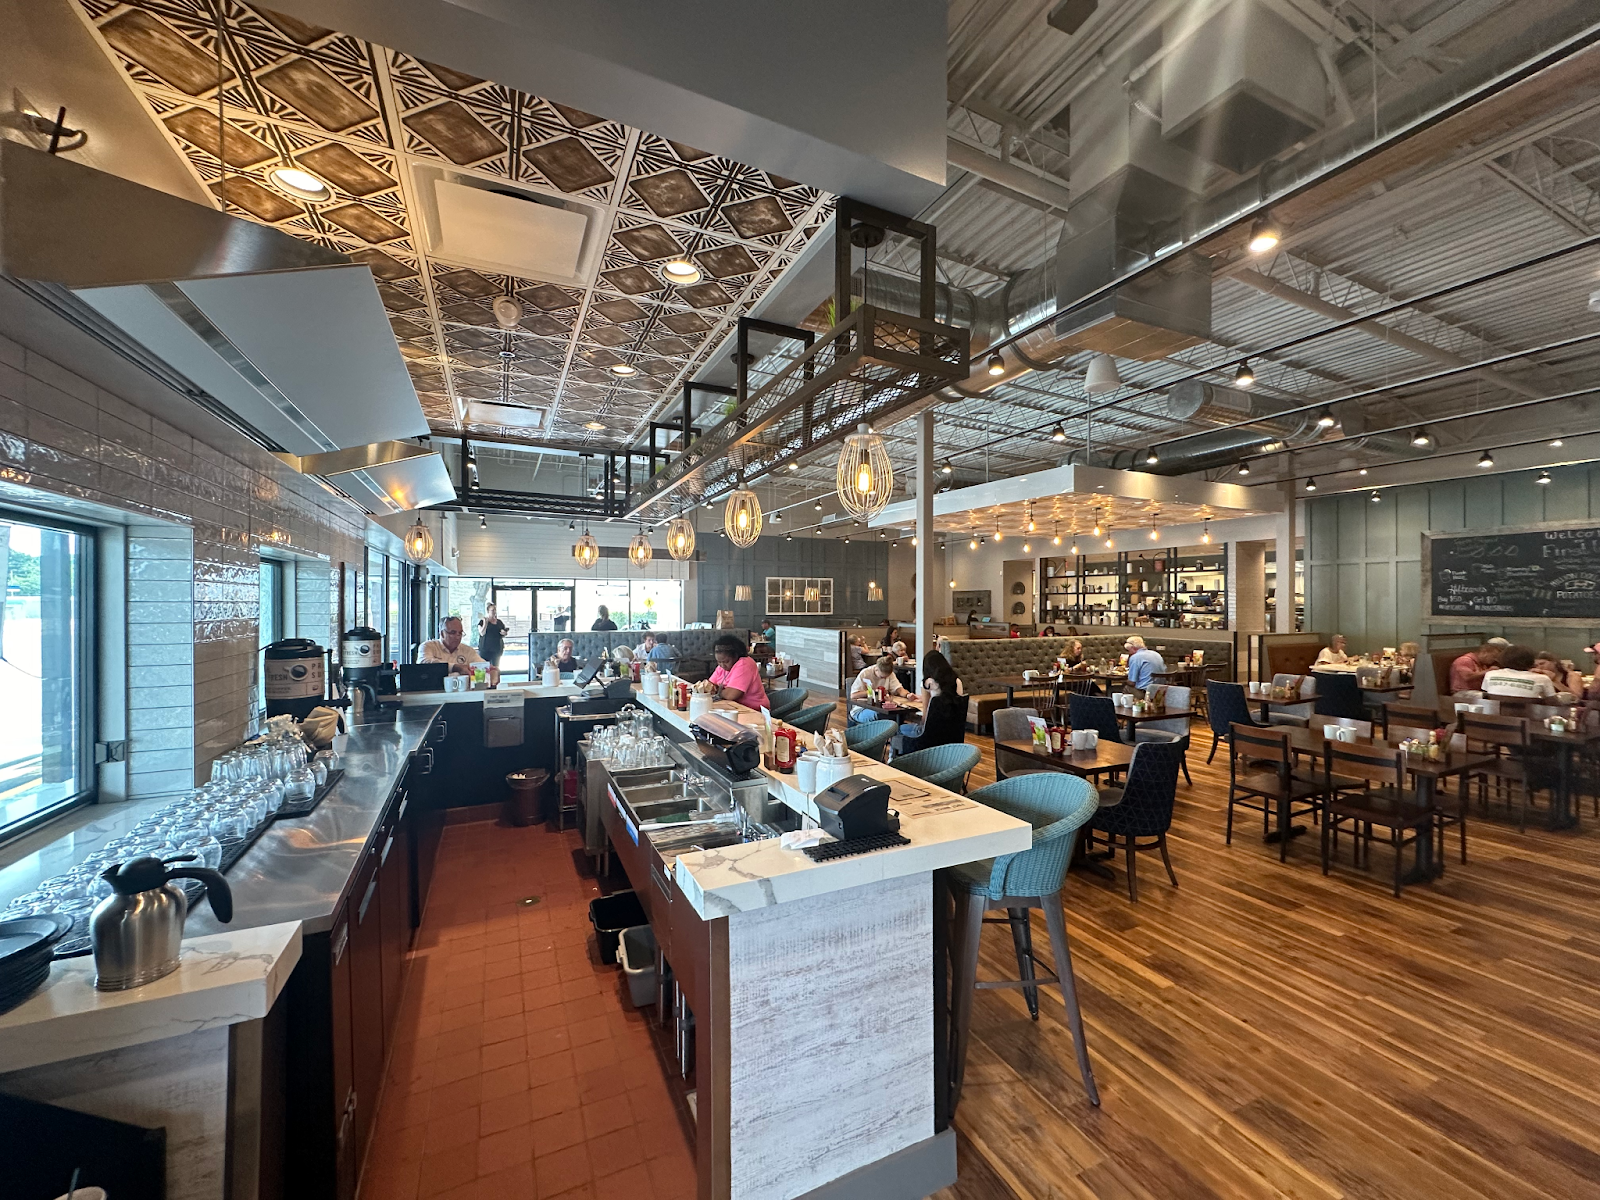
[(206, 848), (301, 785), (319, 771)]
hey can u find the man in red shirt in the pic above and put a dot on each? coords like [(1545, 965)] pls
[(1466, 673)]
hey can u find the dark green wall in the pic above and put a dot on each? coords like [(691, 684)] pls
[(851, 567)]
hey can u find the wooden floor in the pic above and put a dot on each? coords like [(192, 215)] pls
[(1264, 1031)]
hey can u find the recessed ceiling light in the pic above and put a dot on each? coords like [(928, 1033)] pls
[(1265, 233), (1544, 477), (302, 185), (1486, 459), (1244, 377), (623, 369), (681, 272), (794, 466), (597, 426)]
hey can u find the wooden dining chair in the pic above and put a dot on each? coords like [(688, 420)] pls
[(1366, 785), (1261, 777), (1515, 771), (1409, 719)]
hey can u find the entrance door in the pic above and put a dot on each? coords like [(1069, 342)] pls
[(552, 607), (514, 606)]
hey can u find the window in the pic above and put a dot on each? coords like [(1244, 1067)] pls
[(46, 660), (395, 626), (270, 627), (785, 595), (373, 615)]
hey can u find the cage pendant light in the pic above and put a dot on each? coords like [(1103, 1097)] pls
[(680, 538), (741, 518), (586, 550), (865, 477), (639, 549), (419, 542)]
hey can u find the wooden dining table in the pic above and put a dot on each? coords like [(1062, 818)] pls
[(1107, 758)]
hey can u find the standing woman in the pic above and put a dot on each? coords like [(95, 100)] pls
[(491, 636)]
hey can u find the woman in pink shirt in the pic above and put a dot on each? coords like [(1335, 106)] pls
[(737, 676)]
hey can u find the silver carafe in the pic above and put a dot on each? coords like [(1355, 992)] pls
[(137, 931)]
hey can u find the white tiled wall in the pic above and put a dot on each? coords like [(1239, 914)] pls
[(198, 513)]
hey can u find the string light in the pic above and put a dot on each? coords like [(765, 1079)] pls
[(1205, 536)]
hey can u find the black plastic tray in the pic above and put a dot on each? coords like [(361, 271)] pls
[(299, 808)]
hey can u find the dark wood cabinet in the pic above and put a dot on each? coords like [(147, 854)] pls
[(367, 1032), (395, 899), (336, 947), (425, 814)]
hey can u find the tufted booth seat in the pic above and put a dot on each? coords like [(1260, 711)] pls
[(977, 660), (692, 644)]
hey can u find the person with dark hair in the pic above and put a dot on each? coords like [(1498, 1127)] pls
[(1467, 671), (1515, 677), (944, 708), (603, 623), (737, 677)]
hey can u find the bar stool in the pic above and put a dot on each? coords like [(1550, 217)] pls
[(1057, 805)]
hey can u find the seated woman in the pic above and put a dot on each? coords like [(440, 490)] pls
[(879, 675), (1406, 655), (858, 653), (737, 677), (1048, 631), (1333, 652), (886, 639), (902, 657), (944, 712), (564, 659), (1073, 653), (1566, 678)]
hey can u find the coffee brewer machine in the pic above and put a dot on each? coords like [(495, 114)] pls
[(293, 671), (368, 679)]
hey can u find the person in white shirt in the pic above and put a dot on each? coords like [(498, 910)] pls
[(1515, 677), (875, 675), (1333, 652), (449, 648)]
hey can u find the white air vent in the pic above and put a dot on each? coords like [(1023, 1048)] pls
[(492, 228), (512, 416)]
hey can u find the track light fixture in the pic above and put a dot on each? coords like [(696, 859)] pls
[(1325, 419), (948, 468), (997, 364), (1544, 477), (1556, 443), (1420, 438), (1311, 484), (1375, 498), (817, 506), (1244, 377), (1244, 467), (1486, 459), (483, 521), (1151, 458), (1058, 434), (1363, 471), (1265, 233)]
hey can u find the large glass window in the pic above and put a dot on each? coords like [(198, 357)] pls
[(45, 662), (270, 626), (394, 626)]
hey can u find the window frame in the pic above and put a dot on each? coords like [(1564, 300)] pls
[(86, 685)]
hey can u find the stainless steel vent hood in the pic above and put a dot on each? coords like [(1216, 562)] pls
[(289, 337)]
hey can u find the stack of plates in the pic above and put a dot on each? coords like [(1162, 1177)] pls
[(26, 947)]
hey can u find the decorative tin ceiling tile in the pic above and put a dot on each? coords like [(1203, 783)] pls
[(384, 266), (199, 127), (406, 329), (296, 30), (686, 324), (164, 52), (705, 295), (618, 310), (456, 81), (468, 283), (608, 335), (687, 152), (569, 164), (452, 130), (634, 281), (671, 347), (757, 218), (345, 169), (468, 313), (724, 262), (576, 117), (472, 339), (311, 90), (261, 203), (396, 300), (545, 325), (670, 194), (648, 243), (549, 297), (364, 222)]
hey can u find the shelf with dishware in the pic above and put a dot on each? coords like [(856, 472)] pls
[(1184, 588)]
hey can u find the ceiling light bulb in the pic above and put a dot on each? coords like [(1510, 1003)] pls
[(794, 466), (1205, 538), (1027, 549), (973, 544), (997, 364), (948, 467), (1056, 541), (623, 369), (788, 537), (1074, 550), (998, 536), (1325, 419), (777, 518), (1110, 544), (681, 272), (302, 185), (1058, 434), (1244, 377), (1155, 534), (1363, 471), (1244, 468), (817, 506), (1151, 458), (1375, 498), (483, 521), (1544, 477), (1419, 437), (1556, 443), (597, 426), (1265, 233), (1311, 484), (1486, 459), (1097, 529), (913, 539), (1032, 528)]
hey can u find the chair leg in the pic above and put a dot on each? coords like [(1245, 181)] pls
[(1398, 838), (1022, 939), (1327, 827), (1184, 763), (967, 931), (1161, 844), (1133, 870), (1228, 838), (1056, 921), (1215, 738)]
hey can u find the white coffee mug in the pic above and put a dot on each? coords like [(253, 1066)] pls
[(1091, 738), (1333, 733), (1347, 735), (805, 772)]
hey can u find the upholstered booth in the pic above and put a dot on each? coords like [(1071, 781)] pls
[(692, 645)]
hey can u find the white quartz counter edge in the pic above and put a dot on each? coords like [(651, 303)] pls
[(222, 979), (756, 875), (532, 691)]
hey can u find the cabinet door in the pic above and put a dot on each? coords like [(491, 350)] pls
[(366, 997), (343, 1112), (426, 814), (394, 892)]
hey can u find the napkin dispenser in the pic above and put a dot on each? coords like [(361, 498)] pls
[(856, 807), (726, 741)]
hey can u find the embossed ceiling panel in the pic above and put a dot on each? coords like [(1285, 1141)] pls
[(370, 123)]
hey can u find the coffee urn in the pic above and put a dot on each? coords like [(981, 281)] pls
[(294, 677), (361, 665)]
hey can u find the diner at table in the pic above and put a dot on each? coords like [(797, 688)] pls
[(874, 685)]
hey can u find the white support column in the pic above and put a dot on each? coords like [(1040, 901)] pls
[(928, 584), (1287, 535)]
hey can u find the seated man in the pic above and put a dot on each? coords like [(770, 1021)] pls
[(656, 650), (1144, 664), (1515, 677), (1467, 671), (564, 659), (449, 648), (1333, 652)]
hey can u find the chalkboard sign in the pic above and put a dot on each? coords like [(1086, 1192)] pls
[(1514, 575)]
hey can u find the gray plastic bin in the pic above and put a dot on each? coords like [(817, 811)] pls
[(638, 959)]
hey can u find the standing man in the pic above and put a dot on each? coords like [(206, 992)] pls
[(1143, 663), (448, 648)]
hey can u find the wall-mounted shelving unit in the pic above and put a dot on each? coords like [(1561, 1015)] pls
[(1183, 587)]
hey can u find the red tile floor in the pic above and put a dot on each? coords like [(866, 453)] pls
[(520, 1070)]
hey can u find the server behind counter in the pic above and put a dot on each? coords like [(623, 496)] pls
[(448, 648)]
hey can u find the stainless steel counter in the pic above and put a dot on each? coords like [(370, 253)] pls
[(298, 870)]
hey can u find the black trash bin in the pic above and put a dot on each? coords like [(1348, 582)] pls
[(610, 915), (522, 806)]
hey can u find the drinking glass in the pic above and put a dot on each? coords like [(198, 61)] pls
[(301, 785), (205, 847), (319, 771)]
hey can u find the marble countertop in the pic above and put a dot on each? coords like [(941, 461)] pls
[(944, 829), (221, 979)]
